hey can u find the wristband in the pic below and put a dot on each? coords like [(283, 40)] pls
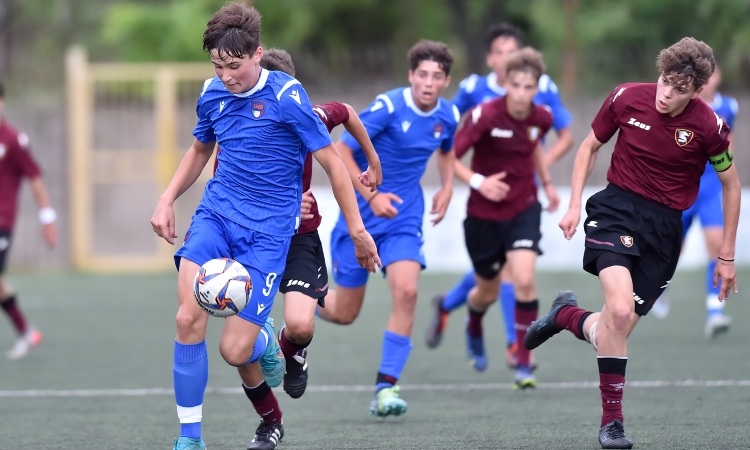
[(47, 216), (370, 199), (476, 180), (725, 260)]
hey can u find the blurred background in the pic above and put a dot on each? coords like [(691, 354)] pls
[(108, 120)]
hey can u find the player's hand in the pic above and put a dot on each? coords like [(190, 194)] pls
[(570, 221), (307, 203), (366, 251), (494, 188), (163, 221), (49, 231), (727, 272), (383, 204), (440, 203), (372, 177), (552, 197)]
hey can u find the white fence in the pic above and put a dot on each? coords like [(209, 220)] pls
[(444, 244)]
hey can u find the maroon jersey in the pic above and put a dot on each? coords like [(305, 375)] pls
[(502, 143), (332, 114), (657, 156), (16, 162)]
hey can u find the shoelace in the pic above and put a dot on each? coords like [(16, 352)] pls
[(616, 431), (265, 430)]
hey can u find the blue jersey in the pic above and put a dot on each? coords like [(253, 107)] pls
[(265, 135), (405, 137), (474, 90)]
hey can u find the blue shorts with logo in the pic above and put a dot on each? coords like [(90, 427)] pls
[(707, 206), (263, 255), (400, 246)]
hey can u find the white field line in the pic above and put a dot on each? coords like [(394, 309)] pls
[(345, 388)]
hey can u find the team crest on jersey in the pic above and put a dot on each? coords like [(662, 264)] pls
[(2, 150), (683, 137), (438, 130), (534, 133), (258, 107), (627, 241)]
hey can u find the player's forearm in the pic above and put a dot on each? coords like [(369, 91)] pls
[(446, 167), (342, 186), (40, 193), (357, 129), (187, 172), (582, 167), (345, 153), (561, 146), (462, 172), (541, 168), (731, 193)]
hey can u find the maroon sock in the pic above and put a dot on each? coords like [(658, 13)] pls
[(474, 324), (264, 402), (526, 312), (14, 312), (572, 318), (288, 347), (611, 385)]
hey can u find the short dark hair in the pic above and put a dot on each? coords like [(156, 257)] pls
[(425, 50), (278, 59), (503, 29), (234, 30), (2, 89), (526, 59), (689, 61)]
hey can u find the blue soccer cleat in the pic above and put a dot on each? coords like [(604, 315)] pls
[(272, 363), (186, 443)]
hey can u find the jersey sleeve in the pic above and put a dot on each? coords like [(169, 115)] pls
[(462, 99), (605, 123), (297, 115), (454, 117), (474, 127), (561, 117), (332, 114), (203, 130), (375, 119), (21, 152)]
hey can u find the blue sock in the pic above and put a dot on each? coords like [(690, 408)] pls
[(507, 302), (190, 377), (456, 297), (396, 349), (713, 306), (261, 343)]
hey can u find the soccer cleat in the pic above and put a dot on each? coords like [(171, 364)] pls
[(717, 324), (511, 357), (524, 379), (272, 362), (295, 380), (475, 350), (660, 308), (267, 436), (545, 327), (387, 402), (612, 435), (31, 338), (437, 325), (186, 443)]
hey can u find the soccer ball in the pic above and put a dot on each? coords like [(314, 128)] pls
[(222, 287)]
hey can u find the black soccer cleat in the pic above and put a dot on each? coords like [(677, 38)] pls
[(612, 435), (439, 320), (267, 436), (295, 379), (545, 327)]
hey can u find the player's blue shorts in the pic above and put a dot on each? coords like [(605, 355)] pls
[(263, 255), (707, 206), (392, 247)]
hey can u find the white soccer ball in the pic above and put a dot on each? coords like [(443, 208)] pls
[(222, 287)]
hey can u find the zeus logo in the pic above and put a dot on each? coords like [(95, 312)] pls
[(640, 125)]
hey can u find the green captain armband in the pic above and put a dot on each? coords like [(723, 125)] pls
[(721, 162)]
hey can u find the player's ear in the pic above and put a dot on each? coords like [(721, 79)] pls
[(258, 55), (697, 92), (447, 81)]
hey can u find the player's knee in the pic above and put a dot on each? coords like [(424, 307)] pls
[(190, 321), (619, 317), (234, 354), (345, 315), (300, 330), (525, 285)]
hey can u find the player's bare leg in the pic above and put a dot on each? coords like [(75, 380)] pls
[(295, 337), (403, 281), (480, 298), (716, 321), (342, 306), (523, 263)]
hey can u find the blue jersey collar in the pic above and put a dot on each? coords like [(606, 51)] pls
[(413, 106), (258, 86), (493, 86)]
